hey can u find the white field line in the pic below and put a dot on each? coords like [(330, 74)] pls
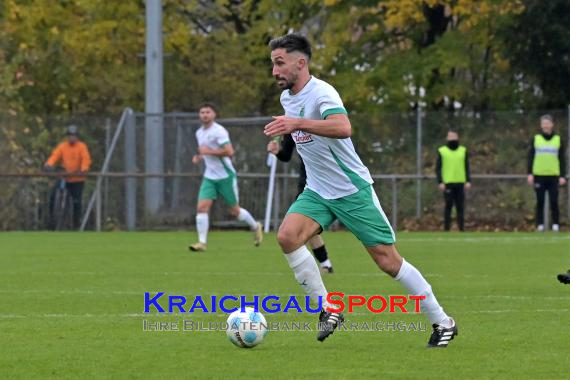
[(190, 293), (220, 315), (271, 274), (71, 273), (486, 239), (79, 291), (496, 311)]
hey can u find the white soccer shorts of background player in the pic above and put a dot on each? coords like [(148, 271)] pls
[(246, 329)]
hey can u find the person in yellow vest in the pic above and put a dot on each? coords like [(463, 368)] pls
[(452, 169), (546, 170)]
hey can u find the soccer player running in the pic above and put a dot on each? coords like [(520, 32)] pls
[(215, 149), (338, 186), (546, 170), (284, 152)]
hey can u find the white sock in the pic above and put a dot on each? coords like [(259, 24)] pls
[(326, 263), (417, 285), (245, 216), (202, 227), (307, 274)]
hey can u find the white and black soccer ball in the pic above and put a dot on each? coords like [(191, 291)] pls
[(246, 329)]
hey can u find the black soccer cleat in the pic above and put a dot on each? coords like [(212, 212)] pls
[(564, 277), (327, 270), (328, 322), (441, 336)]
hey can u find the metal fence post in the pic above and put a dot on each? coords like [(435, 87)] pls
[(277, 203), (272, 163), (130, 167), (174, 201), (98, 206), (419, 161), (106, 184), (105, 167), (546, 211), (154, 107)]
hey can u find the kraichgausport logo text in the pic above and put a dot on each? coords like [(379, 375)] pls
[(274, 304)]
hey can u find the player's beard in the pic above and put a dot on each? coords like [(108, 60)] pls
[(289, 82), (207, 121)]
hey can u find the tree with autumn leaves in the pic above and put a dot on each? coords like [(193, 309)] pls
[(86, 57)]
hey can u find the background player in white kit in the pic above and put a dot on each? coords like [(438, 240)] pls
[(338, 186), (215, 149)]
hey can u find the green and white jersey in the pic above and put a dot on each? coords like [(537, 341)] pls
[(215, 137), (334, 170)]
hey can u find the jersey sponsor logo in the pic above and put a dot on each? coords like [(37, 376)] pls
[(301, 137)]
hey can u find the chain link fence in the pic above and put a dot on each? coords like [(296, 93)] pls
[(498, 143)]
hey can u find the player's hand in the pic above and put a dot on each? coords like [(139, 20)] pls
[(530, 179), (197, 159), (273, 147), (441, 187), (282, 125), (562, 181), (467, 185)]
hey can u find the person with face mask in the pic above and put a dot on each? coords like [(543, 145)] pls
[(546, 170), (73, 155), (452, 169)]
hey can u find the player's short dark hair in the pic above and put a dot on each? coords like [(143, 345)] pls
[(208, 105), (292, 42)]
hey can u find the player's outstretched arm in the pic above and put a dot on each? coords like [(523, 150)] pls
[(335, 126), (225, 151)]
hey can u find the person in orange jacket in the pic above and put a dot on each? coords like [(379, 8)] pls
[(73, 155)]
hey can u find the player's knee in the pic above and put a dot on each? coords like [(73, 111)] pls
[(203, 209), (288, 238), (234, 211)]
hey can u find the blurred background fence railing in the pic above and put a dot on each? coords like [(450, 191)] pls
[(399, 149)]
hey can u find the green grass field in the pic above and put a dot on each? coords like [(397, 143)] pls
[(72, 307)]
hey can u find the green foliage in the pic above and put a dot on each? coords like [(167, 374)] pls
[(540, 49), (86, 57), (449, 49), (71, 56)]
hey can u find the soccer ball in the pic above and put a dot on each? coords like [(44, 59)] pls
[(246, 329)]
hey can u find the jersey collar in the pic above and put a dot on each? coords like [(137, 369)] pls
[(305, 87)]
